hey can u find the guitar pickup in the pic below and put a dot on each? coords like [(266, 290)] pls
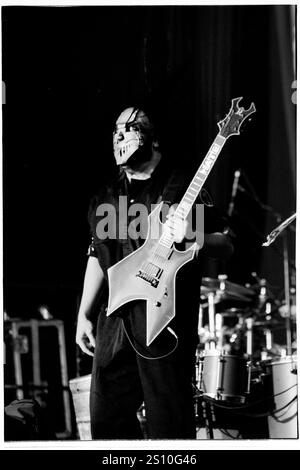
[(154, 270), (151, 273)]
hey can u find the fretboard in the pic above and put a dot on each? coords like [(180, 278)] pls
[(190, 196)]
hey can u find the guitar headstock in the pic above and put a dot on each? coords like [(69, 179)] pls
[(231, 124)]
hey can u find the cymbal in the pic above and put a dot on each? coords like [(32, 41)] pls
[(207, 290), (229, 295), (269, 323), (222, 295), (214, 284), (234, 312), (219, 293)]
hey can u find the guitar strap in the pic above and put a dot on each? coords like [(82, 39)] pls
[(174, 187)]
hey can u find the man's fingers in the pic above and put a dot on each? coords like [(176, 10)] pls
[(85, 337), (83, 346), (85, 349), (177, 227), (91, 338), (171, 211)]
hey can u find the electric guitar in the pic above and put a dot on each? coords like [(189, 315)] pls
[(149, 272)]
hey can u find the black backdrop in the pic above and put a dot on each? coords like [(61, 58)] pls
[(69, 71)]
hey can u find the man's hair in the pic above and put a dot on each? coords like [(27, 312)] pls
[(152, 111)]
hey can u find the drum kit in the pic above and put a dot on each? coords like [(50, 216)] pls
[(242, 340), (247, 354)]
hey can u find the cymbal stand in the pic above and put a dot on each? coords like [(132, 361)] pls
[(200, 320), (249, 351), (219, 331), (198, 393), (199, 363), (288, 323), (269, 339), (211, 320), (198, 369), (267, 332), (199, 358)]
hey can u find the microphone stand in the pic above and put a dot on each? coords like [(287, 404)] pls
[(270, 239)]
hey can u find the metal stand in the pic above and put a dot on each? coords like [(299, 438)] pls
[(249, 336), (270, 239), (211, 319), (207, 414), (288, 323), (20, 345)]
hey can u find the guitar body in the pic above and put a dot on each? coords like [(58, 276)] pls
[(126, 285)]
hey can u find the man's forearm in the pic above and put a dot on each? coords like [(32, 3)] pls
[(93, 280)]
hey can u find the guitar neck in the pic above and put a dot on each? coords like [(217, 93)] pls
[(192, 192)]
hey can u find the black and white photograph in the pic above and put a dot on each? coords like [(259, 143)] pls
[(149, 225)]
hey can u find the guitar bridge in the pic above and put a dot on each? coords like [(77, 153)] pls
[(152, 279)]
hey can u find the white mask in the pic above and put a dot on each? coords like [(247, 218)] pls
[(131, 132)]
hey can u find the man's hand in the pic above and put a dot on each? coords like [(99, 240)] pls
[(84, 335), (176, 225)]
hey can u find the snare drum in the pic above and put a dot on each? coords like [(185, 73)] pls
[(224, 377)]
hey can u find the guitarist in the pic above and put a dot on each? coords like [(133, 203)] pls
[(125, 372)]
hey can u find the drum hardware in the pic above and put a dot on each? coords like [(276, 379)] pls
[(266, 300), (207, 418), (206, 333), (224, 377), (249, 336), (214, 291), (211, 317), (269, 321), (249, 378), (249, 348), (220, 388), (209, 335), (271, 324), (235, 312), (263, 292), (224, 295), (219, 331), (200, 320), (269, 339), (198, 368)]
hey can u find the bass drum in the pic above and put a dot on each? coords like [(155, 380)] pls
[(281, 380), (224, 377)]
